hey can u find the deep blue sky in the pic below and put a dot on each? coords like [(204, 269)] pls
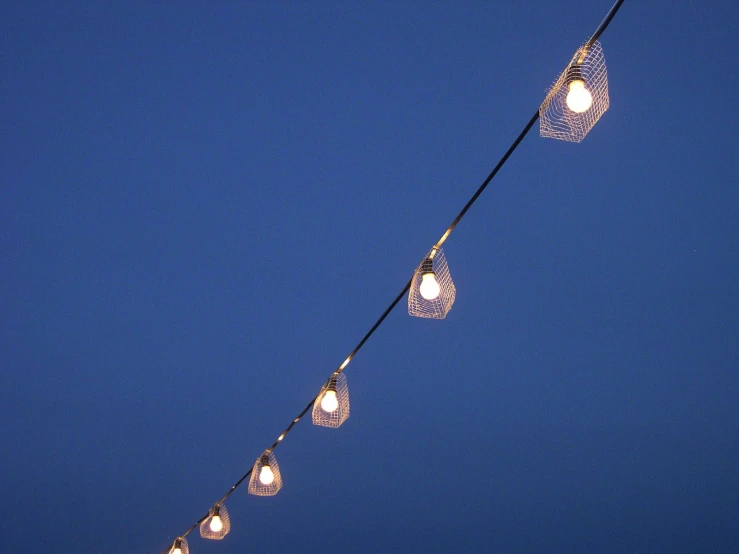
[(204, 206)]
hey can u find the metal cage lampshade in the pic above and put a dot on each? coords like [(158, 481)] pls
[(217, 525), (578, 98), (331, 407), (432, 291), (179, 546), (265, 477)]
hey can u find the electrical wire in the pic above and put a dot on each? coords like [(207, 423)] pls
[(600, 29)]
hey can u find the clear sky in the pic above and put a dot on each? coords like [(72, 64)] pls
[(205, 205)]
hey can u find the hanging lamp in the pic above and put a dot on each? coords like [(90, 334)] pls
[(217, 525), (432, 291), (331, 407), (265, 477), (578, 97)]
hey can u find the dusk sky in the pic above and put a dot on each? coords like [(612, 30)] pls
[(205, 206)]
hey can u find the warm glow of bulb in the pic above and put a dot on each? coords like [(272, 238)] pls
[(579, 98), (177, 551), (216, 524), (429, 288), (266, 476), (329, 402)]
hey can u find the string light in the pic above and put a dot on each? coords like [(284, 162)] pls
[(432, 293), (333, 400), (265, 476), (578, 98), (217, 525), (331, 407)]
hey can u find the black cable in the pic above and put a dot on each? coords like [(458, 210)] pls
[(602, 27), (485, 183), (606, 21)]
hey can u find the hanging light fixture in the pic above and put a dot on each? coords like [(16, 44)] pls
[(265, 477), (217, 525), (179, 546), (578, 98), (331, 407), (432, 291)]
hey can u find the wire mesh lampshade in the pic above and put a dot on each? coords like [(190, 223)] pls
[(265, 477), (578, 98), (331, 407), (217, 525), (432, 290), (179, 546)]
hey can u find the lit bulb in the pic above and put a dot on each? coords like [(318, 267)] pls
[(216, 524), (266, 476), (579, 98), (329, 403), (177, 550), (429, 288)]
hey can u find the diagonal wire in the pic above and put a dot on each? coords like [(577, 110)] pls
[(602, 27)]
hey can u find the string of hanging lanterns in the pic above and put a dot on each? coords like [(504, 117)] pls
[(572, 106)]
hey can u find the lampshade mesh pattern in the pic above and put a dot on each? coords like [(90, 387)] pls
[(341, 413), (438, 307), (556, 120), (207, 533), (183, 547), (256, 487)]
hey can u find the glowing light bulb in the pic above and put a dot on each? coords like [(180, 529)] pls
[(429, 288), (329, 402), (177, 550), (266, 476), (579, 98), (216, 524)]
